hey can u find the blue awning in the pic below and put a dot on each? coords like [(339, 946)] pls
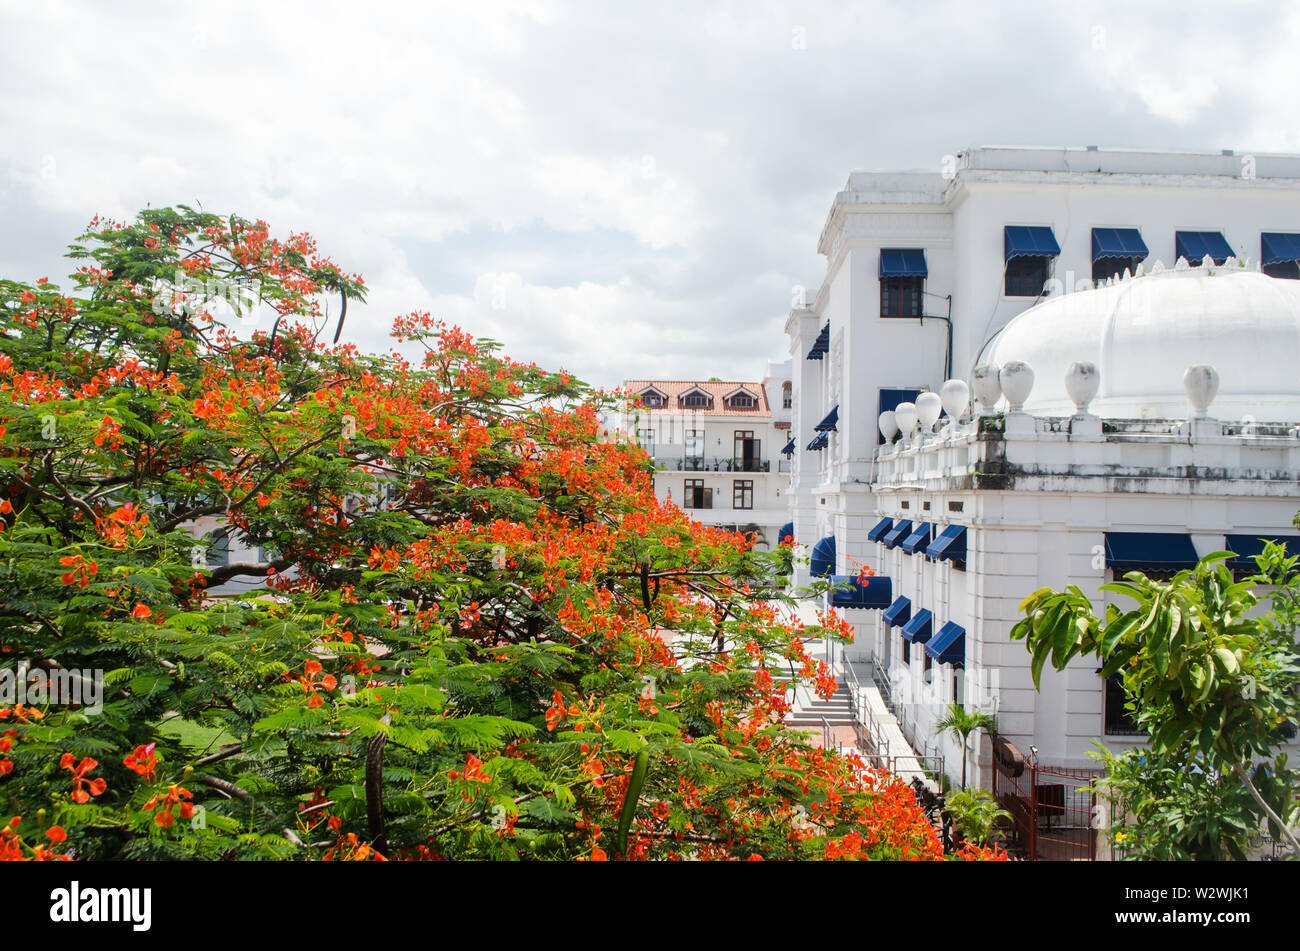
[(1278, 248), (1036, 241), (786, 531), (821, 344), (849, 592), (823, 558), (1246, 547), (902, 263), (900, 612), (819, 441), (882, 527), (1148, 551), (902, 528), (919, 538), (789, 448), (1118, 243), (919, 628), (949, 645), (1195, 245), (827, 425), (950, 545)]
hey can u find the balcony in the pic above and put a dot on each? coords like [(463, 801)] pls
[(701, 464)]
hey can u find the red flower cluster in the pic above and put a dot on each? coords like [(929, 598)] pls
[(79, 570), (168, 803), (83, 788), (142, 760)]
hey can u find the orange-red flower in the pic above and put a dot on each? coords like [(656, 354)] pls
[(311, 681), (168, 803), (83, 788), (142, 760)]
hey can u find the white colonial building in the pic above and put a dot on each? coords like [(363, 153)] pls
[(717, 447), (1096, 450)]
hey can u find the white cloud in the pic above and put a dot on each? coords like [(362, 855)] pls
[(651, 180)]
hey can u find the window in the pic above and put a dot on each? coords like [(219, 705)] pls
[(1195, 246), (645, 438), (1284, 269), (742, 494), (1116, 250), (1103, 269), (787, 396), (696, 495), (1026, 276), (1118, 720), (694, 449), (1280, 254), (907, 651), (696, 399), (652, 399), (746, 453), (742, 401), (901, 296)]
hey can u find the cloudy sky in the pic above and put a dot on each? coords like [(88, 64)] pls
[(624, 190)]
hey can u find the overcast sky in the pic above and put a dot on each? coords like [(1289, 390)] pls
[(624, 190)]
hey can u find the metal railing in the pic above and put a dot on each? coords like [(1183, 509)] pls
[(829, 739), (717, 464), (928, 761)]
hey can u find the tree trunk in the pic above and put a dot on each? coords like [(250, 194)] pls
[(1286, 833)]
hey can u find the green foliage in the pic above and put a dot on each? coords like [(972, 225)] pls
[(975, 814), (1214, 688), (962, 723), (473, 631)]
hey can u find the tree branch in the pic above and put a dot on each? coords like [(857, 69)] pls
[(1287, 835)]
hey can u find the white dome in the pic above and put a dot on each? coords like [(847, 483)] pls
[(1143, 334)]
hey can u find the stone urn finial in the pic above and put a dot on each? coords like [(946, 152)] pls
[(888, 425), (928, 408), (906, 417), (1082, 380), (987, 389), (1017, 381), (1201, 384), (955, 395)]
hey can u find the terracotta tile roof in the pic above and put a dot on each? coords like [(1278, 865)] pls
[(674, 389)]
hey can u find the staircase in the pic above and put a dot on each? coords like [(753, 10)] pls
[(810, 710)]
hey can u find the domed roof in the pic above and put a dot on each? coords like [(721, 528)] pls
[(1143, 333)]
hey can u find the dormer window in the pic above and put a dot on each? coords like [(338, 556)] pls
[(697, 399), (741, 398), (653, 398)]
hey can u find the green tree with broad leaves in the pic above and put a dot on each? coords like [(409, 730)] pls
[(1215, 689)]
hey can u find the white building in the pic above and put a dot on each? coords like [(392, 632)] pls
[(930, 276), (717, 447)]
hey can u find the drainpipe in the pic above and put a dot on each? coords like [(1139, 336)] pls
[(947, 360)]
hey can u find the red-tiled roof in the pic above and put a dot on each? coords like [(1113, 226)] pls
[(674, 389)]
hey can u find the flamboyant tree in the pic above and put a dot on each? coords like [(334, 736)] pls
[(475, 631)]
